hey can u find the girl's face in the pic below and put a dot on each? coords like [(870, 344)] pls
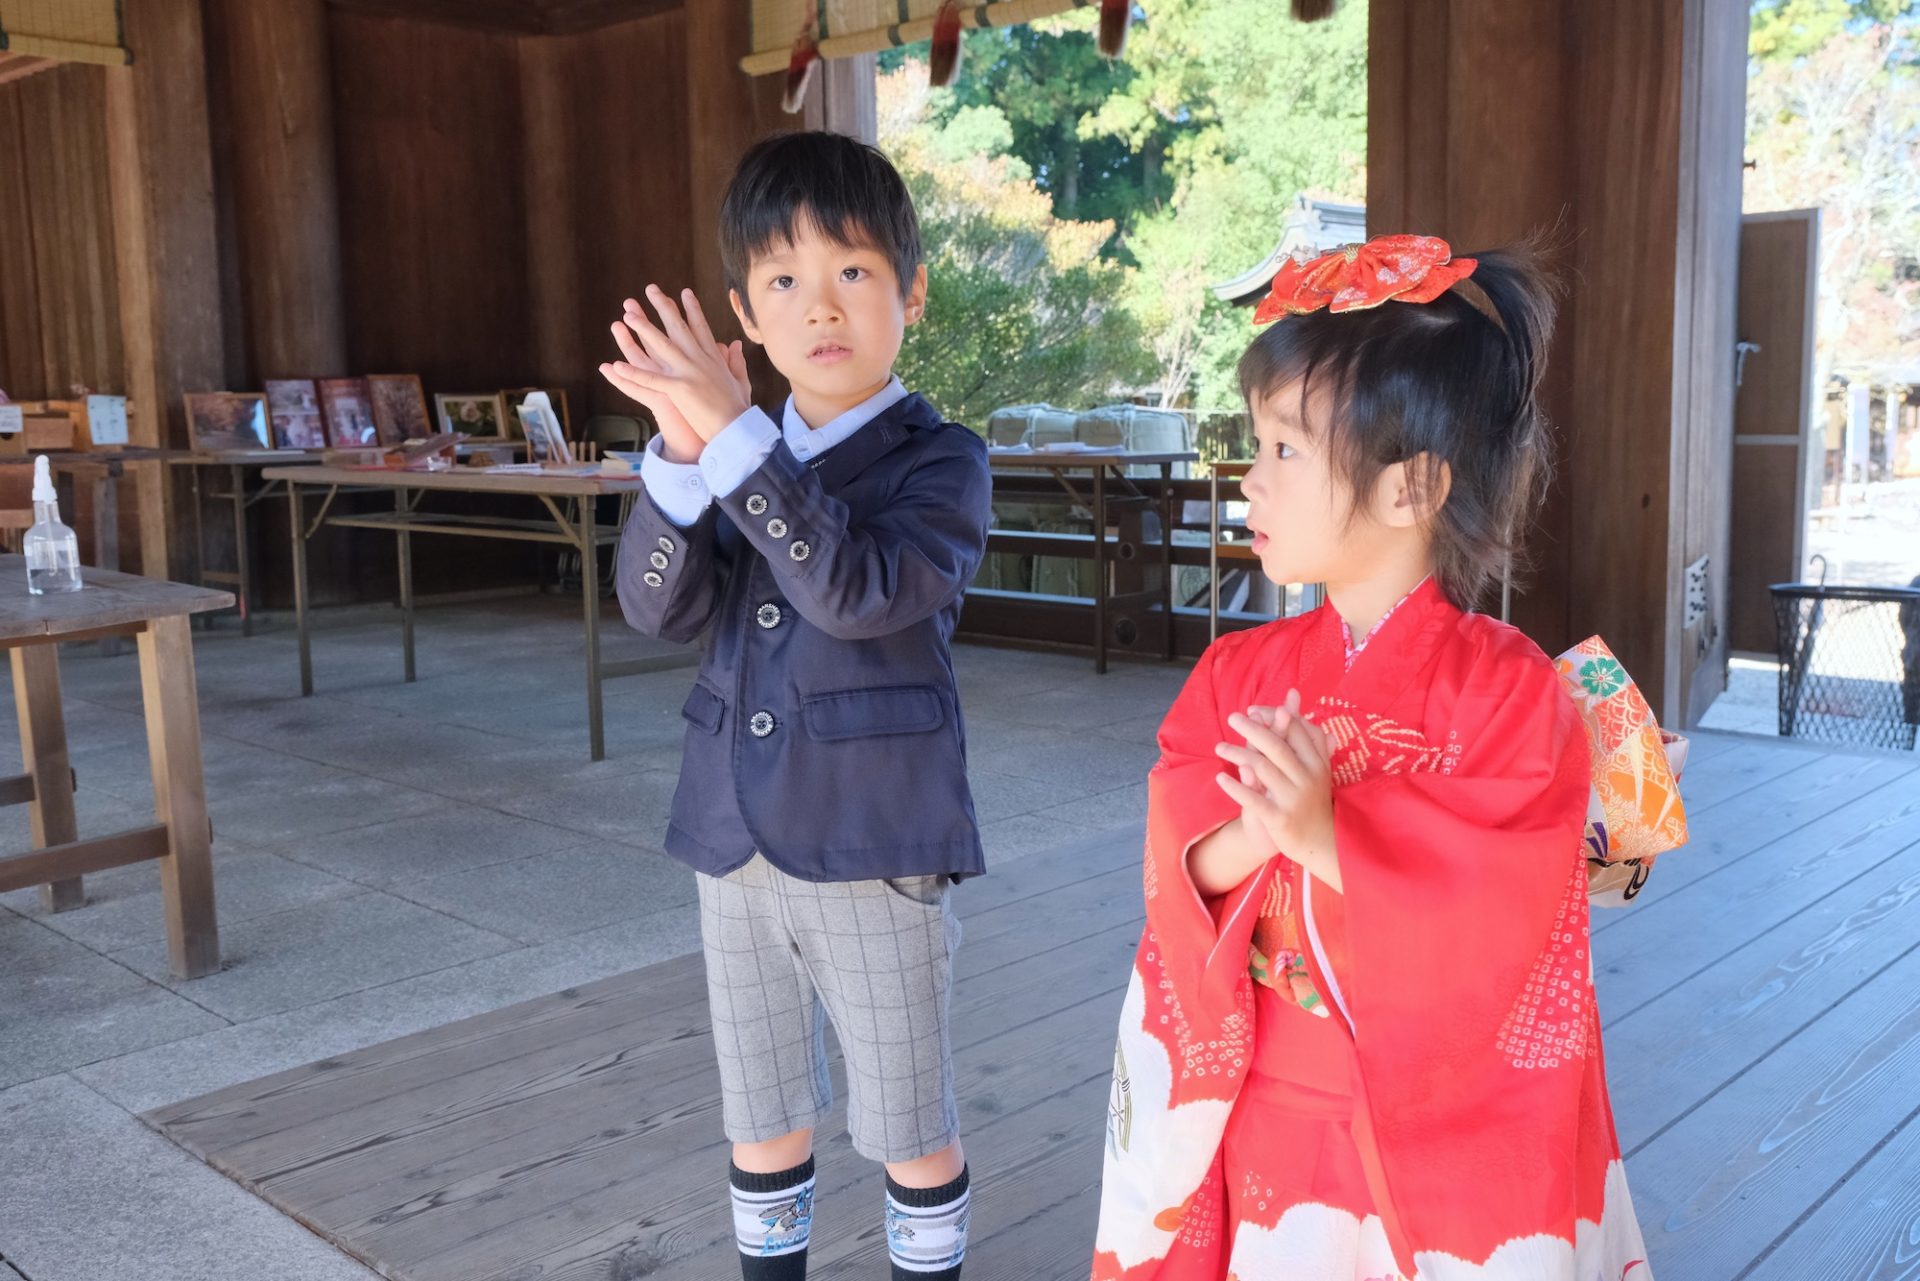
[(1305, 525)]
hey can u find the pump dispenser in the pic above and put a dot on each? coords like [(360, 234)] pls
[(53, 553)]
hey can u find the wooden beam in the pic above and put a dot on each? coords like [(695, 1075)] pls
[(571, 17), (518, 17), (510, 17), (75, 859)]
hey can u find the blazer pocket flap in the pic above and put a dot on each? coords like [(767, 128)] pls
[(703, 708), (865, 713)]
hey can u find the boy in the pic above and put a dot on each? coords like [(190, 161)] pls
[(823, 796)]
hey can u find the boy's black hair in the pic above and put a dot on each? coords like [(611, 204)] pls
[(1447, 379), (845, 189)]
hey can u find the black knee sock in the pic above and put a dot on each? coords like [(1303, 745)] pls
[(772, 1220), (927, 1230)]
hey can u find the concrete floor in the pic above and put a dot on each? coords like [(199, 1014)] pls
[(391, 857)]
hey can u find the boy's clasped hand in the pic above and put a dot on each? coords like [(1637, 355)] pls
[(692, 384)]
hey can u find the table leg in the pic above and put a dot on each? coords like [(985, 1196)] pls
[(405, 539), (1099, 569), (296, 508), (171, 694), (242, 562), (590, 602), (106, 539), (43, 746), (1166, 553)]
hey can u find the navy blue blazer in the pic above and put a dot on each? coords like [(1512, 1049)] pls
[(824, 728)]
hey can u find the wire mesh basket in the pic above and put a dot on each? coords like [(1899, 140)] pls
[(1849, 663)]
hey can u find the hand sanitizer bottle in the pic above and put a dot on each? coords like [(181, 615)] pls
[(53, 553)]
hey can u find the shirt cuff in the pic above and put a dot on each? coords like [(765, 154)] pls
[(677, 489), (738, 451)]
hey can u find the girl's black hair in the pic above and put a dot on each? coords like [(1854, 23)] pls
[(847, 190), (1455, 380)]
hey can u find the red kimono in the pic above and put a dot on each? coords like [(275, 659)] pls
[(1403, 1080)]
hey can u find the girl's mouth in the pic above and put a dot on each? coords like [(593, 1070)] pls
[(1259, 542)]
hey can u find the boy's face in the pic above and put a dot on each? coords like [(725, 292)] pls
[(1303, 518), (830, 316)]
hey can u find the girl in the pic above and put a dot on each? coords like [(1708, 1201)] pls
[(1360, 1042)]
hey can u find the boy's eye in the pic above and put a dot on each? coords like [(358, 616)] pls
[(851, 274), (780, 282)]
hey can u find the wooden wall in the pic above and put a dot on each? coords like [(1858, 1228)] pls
[(367, 192), (1616, 130)]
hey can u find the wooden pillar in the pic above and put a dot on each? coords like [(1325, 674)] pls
[(286, 205), (727, 112), (844, 98), (562, 345), (160, 172), (1615, 130)]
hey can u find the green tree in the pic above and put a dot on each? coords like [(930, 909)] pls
[(1021, 304)]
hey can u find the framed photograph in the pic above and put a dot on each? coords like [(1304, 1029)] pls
[(347, 406), (399, 408), (293, 414), (224, 420), (546, 442), (481, 416), (556, 399)]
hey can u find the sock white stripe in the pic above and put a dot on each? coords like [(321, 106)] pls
[(928, 1238), (767, 1224)]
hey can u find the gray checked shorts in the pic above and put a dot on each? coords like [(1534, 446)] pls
[(784, 956)]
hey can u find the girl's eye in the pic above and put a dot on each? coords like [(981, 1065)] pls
[(1281, 449), (851, 274)]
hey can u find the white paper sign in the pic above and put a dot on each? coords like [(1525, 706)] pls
[(107, 419), (13, 420)]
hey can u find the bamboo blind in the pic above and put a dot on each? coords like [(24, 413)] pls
[(67, 30), (848, 27)]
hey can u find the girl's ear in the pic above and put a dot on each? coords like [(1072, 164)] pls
[(1411, 493), (740, 312), (917, 295)]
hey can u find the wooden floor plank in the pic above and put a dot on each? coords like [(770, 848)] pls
[(1728, 828), (1764, 1031), (1657, 945), (1679, 1049), (1715, 1189), (1868, 1228)]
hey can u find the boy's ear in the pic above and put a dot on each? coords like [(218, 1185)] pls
[(1411, 493), (745, 317), (917, 295)]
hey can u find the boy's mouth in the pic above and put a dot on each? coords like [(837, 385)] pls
[(829, 353)]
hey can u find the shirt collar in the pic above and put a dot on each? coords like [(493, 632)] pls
[(808, 443)]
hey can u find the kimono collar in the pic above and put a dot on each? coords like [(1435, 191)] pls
[(1392, 655)]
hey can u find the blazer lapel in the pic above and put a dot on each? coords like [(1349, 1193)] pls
[(873, 442)]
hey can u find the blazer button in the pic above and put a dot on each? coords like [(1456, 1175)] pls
[(776, 528), (761, 724), (652, 578), (756, 504), (666, 544), (659, 560), (768, 616), (798, 549)]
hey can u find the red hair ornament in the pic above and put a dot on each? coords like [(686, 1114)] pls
[(1360, 277)]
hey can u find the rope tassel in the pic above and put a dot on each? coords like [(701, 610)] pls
[(1115, 17), (945, 66)]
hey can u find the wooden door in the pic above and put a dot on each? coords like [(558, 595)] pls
[(1773, 404)]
